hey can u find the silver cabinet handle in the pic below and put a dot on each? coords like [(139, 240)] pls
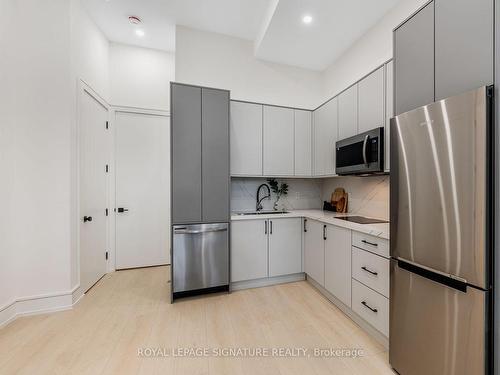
[(270, 227), (185, 231), (369, 307), (305, 225), (369, 271), (265, 227), (324, 232), (365, 142), (369, 243)]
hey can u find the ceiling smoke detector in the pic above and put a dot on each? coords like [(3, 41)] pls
[(134, 20)]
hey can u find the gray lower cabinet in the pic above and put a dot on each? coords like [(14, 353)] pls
[(338, 263), (186, 154), (414, 61), (285, 246), (348, 112), (215, 155), (265, 248), (371, 101), (200, 154), (248, 250), (314, 250), (464, 45)]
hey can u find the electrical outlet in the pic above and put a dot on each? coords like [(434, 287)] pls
[(297, 195)]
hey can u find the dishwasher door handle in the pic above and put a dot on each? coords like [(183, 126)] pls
[(187, 231)]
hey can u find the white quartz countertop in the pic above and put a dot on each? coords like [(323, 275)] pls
[(327, 217)]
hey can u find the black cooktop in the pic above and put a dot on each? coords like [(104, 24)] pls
[(361, 220)]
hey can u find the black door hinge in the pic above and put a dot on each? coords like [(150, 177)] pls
[(107, 212), (107, 255), (107, 168), (107, 125)]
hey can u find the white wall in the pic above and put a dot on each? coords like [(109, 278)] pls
[(368, 52), (226, 62), (35, 77), (90, 63), (140, 77)]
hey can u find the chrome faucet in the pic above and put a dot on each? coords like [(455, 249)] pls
[(259, 199)]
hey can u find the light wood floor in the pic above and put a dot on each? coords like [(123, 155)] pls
[(128, 310)]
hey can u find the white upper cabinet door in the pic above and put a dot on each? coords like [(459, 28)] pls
[(371, 101), (278, 141), (338, 263), (325, 136), (389, 111), (303, 143), (348, 112), (314, 251), (246, 139), (248, 250), (285, 246)]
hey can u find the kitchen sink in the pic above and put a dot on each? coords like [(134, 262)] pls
[(261, 213)]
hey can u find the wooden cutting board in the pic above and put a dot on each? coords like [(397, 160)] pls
[(339, 199)]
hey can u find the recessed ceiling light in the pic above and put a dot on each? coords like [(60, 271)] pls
[(139, 32), (307, 19)]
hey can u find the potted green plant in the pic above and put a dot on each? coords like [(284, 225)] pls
[(278, 189)]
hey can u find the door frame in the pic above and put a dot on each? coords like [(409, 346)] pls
[(86, 89), (114, 109)]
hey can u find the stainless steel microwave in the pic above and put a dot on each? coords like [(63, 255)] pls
[(361, 154)]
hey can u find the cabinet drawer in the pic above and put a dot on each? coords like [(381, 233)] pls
[(371, 306), (374, 244), (371, 270)]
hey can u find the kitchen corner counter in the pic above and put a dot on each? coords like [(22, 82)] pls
[(327, 217)]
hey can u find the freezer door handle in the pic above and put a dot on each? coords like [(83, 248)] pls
[(441, 278)]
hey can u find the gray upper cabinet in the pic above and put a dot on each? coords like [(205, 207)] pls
[(303, 143), (278, 141), (371, 101), (389, 110), (246, 139), (325, 136), (464, 45), (186, 154), (414, 61), (348, 112), (215, 155)]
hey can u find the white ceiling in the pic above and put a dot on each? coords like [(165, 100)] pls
[(336, 25), (239, 18), (275, 26)]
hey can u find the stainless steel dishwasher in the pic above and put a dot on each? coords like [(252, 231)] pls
[(200, 259)]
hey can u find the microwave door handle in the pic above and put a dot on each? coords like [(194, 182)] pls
[(365, 143)]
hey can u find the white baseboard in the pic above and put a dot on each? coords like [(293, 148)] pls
[(41, 304), (373, 332), (267, 281)]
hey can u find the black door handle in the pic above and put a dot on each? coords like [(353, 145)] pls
[(87, 218), (369, 271), (369, 307), (121, 209)]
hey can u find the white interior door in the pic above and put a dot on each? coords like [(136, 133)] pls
[(93, 197), (142, 190)]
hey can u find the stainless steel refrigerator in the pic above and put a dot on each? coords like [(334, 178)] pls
[(442, 237)]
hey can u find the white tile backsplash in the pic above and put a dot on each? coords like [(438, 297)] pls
[(302, 194), (368, 196)]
